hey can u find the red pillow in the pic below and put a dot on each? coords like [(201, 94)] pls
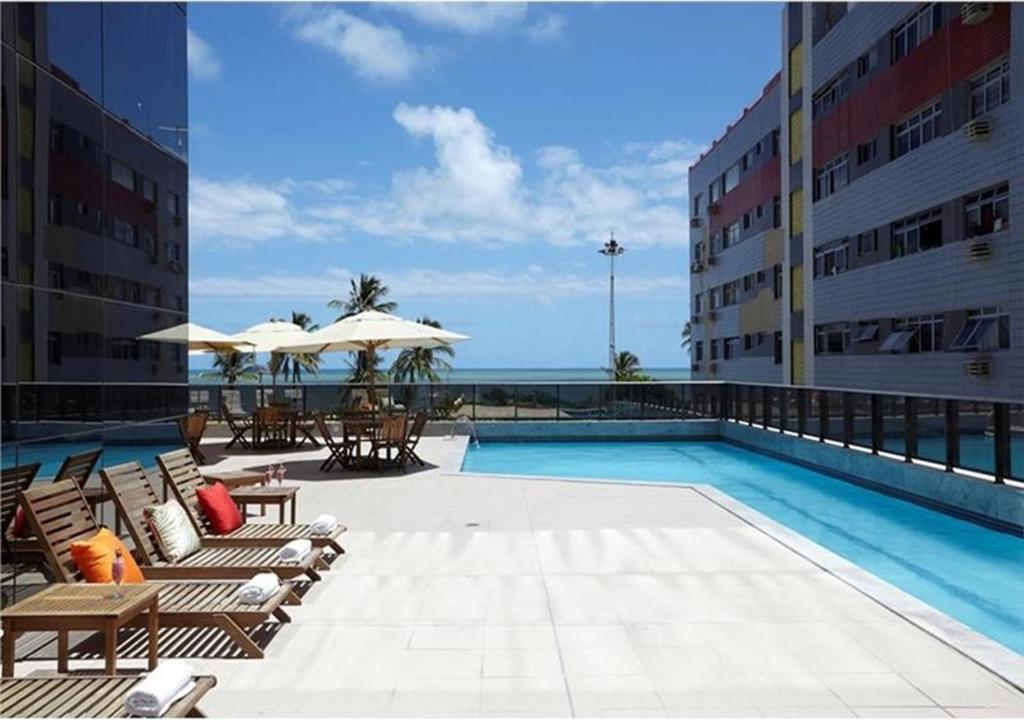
[(220, 509), (20, 528)]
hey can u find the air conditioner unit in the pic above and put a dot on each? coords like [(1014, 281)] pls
[(979, 250), (977, 129), (696, 266), (696, 222), (978, 367), (974, 13), (712, 260), (713, 209)]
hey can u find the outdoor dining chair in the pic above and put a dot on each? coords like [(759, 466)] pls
[(412, 439), (192, 428), (238, 427)]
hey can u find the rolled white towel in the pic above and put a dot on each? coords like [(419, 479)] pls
[(171, 680), (295, 551), (259, 589), (323, 524)]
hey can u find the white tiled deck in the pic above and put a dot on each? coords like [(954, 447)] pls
[(579, 599)]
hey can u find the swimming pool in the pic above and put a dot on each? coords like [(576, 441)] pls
[(51, 455), (969, 572)]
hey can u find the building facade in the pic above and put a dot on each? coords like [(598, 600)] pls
[(903, 198), (95, 227)]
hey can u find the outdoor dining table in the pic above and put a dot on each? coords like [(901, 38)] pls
[(101, 607), (274, 428)]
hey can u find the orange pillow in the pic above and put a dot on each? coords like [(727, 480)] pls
[(220, 509), (95, 556)]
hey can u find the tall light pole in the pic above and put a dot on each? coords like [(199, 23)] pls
[(612, 249)]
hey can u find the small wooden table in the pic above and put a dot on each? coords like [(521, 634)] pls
[(233, 479), (64, 607), (267, 495)]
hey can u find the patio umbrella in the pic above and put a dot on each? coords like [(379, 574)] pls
[(197, 338), (269, 336), (371, 331)]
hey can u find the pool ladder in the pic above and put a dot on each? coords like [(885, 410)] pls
[(465, 420)]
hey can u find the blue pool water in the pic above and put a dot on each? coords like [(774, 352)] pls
[(51, 455), (971, 573)]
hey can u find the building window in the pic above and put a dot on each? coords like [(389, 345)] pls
[(775, 143), (759, 211), (148, 189), (713, 346), (867, 62), (866, 152), (54, 348), (698, 350), (777, 350), (777, 281), (173, 205), (696, 204), (832, 177), (987, 211), (915, 30), (867, 243), (984, 329), (698, 306), (55, 210), (715, 298), (919, 232), (729, 293), (925, 333), (748, 342), (777, 212), (831, 339), (919, 129), (730, 348), (760, 278), (866, 332), (990, 89), (730, 235), (760, 339), (747, 220), (748, 282), (832, 95), (125, 232), (832, 258), (122, 175), (748, 159), (731, 178)]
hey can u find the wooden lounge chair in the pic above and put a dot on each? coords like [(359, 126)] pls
[(60, 515), (339, 453), (192, 429), (90, 696), (133, 494), (182, 477), (238, 427), (16, 550), (408, 453)]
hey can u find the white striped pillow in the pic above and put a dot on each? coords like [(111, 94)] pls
[(174, 531)]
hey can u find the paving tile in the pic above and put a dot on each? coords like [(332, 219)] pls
[(869, 689), (522, 662), (623, 693)]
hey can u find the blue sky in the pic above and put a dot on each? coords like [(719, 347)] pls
[(474, 156)]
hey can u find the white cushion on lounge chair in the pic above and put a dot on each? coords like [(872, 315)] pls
[(178, 538)]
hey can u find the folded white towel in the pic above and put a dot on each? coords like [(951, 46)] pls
[(171, 680), (295, 551), (323, 524), (259, 589)]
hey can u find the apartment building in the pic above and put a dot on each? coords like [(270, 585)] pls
[(736, 241), (94, 219), (902, 178)]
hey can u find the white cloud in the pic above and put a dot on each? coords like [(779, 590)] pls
[(528, 283), (475, 191), (546, 28), (203, 63), (468, 18), (375, 52)]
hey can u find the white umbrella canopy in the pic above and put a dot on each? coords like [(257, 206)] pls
[(372, 330), (197, 338), (270, 336)]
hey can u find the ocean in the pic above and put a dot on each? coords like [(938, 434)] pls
[(480, 375)]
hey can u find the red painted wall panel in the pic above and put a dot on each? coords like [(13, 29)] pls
[(951, 55), (755, 188)]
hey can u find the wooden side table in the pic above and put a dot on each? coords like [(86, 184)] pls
[(267, 495), (64, 607)]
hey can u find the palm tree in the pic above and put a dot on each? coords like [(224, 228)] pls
[(686, 336), (309, 362), (232, 366), (367, 294), (413, 364), (627, 368)]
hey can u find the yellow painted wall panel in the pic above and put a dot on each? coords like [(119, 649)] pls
[(797, 347), (796, 137), (796, 68), (774, 248), (796, 283), (796, 212)]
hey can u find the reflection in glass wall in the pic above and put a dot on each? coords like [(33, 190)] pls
[(95, 239)]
